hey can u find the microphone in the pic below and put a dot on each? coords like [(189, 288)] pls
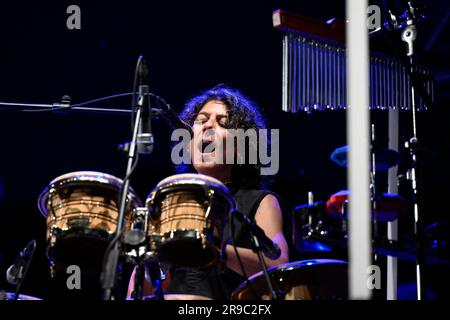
[(145, 137), (269, 248), (174, 119), (16, 272)]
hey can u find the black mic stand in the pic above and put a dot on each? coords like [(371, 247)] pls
[(256, 247), (27, 254), (108, 276), (111, 259)]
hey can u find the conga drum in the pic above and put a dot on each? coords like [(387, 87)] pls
[(82, 212), (188, 213)]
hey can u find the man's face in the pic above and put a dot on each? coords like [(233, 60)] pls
[(208, 146)]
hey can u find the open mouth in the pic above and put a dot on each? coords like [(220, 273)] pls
[(207, 147)]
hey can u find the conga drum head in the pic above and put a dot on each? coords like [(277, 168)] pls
[(320, 279), (189, 212), (82, 215)]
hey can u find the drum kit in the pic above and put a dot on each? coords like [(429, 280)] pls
[(320, 228), (181, 224)]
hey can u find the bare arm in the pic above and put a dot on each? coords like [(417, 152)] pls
[(268, 217)]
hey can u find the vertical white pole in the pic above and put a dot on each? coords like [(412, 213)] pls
[(358, 139), (392, 231)]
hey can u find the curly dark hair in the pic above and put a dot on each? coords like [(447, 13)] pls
[(242, 114)]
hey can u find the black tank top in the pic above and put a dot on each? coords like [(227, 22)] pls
[(218, 282)]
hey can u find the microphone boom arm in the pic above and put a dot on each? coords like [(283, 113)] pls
[(256, 233)]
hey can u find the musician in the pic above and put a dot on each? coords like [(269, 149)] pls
[(212, 114)]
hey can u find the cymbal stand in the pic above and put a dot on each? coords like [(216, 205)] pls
[(409, 34), (407, 24), (377, 294), (373, 188)]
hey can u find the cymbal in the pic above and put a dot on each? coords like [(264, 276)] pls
[(389, 206), (10, 296), (406, 250), (316, 204), (385, 158)]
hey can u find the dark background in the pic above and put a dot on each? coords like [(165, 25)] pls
[(189, 46)]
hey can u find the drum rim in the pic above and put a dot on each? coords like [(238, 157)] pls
[(287, 267), (185, 179), (181, 176), (83, 177)]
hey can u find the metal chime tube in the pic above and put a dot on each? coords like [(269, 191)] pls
[(314, 78)]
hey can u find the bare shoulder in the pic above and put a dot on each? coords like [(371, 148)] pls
[(269, 203), (269, 212), (269, 218)]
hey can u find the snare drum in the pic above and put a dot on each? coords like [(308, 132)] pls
[(319, 279), (188, 213), (82, 215)]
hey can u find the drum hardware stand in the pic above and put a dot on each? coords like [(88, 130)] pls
[(49, 247), (111, 258), (147, 261), (345, 220), (208, 206), (136, 250), (314, 227), (154, 268), (408, 35), (377, 294), (373, 189), (374, 203), (310, 215)]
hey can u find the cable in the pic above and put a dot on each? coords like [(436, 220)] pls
[(69, 106), (101, 99)]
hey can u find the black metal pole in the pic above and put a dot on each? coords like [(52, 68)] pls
[(257, 248), (108, 277), (409, 34)]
